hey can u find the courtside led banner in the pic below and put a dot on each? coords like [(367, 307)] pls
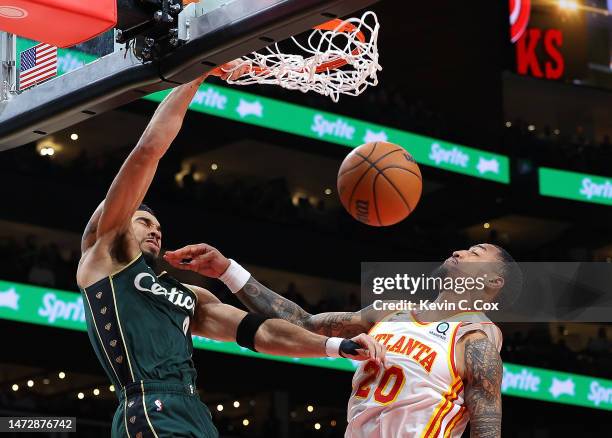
[(575, 186), (59, 309), (308, 122)]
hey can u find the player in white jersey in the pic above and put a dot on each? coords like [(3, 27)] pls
[(421, 392), (442, 368)]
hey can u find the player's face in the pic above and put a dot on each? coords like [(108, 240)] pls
[(147, 231), (482, 252), (475, 261)]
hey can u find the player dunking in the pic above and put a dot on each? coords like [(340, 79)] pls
[(140, 323), (442, 368)]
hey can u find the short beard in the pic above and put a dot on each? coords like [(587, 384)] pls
[(441, 272), (150, 260)]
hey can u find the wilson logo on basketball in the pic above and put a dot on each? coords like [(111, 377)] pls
[(362, 211), (519, 18), (409, 158)]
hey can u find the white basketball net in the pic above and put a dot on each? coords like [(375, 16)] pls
[(342, 59)]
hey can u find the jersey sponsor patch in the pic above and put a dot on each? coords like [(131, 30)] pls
[(441, 331)]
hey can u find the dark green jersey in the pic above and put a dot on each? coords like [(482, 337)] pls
[(138, 324)]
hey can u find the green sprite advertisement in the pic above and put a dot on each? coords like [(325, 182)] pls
[(575, 186), (308, 122), (59, 309)]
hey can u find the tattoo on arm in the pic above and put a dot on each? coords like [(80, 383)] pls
[(483, 390), (342, 324), (260, 299)]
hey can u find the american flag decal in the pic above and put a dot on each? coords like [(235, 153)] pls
[(38, 63)]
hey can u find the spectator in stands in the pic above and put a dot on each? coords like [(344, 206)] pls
[(41, 273), (599, 345)]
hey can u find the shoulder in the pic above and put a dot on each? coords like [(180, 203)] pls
[(104, 257), (478, 322)]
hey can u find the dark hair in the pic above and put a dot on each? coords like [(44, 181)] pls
[(145, 207), (513, 278)]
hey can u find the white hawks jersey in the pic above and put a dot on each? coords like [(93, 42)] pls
[(420, 395)]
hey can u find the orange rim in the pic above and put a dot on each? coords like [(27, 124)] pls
[(336, 24)]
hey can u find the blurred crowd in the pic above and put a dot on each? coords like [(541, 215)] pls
[(566, 351), (268, 199), (34, 262), (562, 149)]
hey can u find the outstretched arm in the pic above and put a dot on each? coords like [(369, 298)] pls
[(260, 299), (483, 376), (128, 189), (220, 321), (208, 261), (130, 186)]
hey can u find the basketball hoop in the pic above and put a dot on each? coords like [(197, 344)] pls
[(339, 57)]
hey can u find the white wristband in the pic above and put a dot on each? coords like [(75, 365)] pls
[(235, 276), (332, 347)]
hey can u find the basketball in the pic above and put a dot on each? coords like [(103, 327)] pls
[(379, 183)]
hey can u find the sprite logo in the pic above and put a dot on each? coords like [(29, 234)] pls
[(9, 299), (210, 98), (448, 156), (591, 189), (54, 309), (600, 394), (248, 108), (337, 128), (576, 186), (561, 387), (524, 380)]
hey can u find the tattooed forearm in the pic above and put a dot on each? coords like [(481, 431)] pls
[(343, 324), (483, 390), (260, 299)]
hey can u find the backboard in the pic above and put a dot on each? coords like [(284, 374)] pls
[(215, 32)]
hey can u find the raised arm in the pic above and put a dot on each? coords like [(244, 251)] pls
[(208, 261), (483, 376), (130, 186), (219, 321)]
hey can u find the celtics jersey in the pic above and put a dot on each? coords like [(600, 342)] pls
[(138, 324)]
